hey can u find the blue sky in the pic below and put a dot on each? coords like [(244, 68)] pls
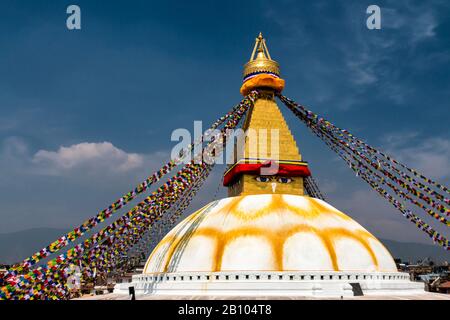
[(85, 115)]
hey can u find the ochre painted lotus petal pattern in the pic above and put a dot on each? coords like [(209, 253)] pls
[(269, 233)]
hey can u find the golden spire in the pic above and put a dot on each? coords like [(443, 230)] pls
[(269, 160), (260, 60)]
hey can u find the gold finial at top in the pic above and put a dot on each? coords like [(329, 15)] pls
[(261, 48), (260, 60)]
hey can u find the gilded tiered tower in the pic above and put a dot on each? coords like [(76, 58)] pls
[(269, 161)]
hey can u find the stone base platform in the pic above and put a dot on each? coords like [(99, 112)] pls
[(272, 284), (422, 296)]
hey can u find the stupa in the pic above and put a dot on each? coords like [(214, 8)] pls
[(268, 238)]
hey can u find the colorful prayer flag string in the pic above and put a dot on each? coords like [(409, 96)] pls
[(101, 252), (366, 161)]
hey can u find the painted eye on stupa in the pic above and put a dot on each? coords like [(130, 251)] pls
[(284, 180), (262, 179)]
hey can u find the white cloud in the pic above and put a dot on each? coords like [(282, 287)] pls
[(51, 181), (430, 156), (416, 22), (423, 27), (362, 69), (411, 24), (367, 62), (404, 28), (14, 147), (85, 158), (398, 139), (14, 158), (87, 155), (380, 218)]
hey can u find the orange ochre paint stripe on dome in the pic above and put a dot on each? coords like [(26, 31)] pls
[(318, 207), (229, 207), (276, 238), (279, 204), (178, 240), (169, 236), (326, 209), (237, 212)]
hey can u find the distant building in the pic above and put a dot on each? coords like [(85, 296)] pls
[(444, 287)]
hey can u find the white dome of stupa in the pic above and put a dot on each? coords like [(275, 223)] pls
[(270, 245), (269, 232)]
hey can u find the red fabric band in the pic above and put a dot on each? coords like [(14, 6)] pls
[(290, 170)]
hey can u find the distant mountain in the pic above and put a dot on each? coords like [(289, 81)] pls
[(16, 246), (410, 251)]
